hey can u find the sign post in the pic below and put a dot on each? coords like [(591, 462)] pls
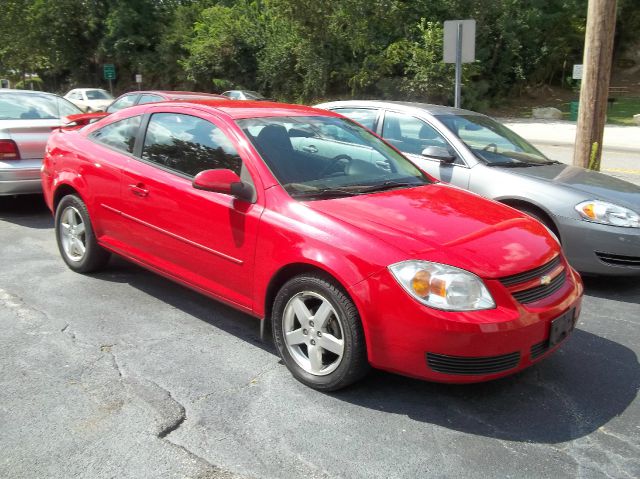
[(138, 80), (109, 72), (459, 47)]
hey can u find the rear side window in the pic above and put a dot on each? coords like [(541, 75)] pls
[(148, 98), (120, 135), (365, 116), (188, 145), (124, 102)]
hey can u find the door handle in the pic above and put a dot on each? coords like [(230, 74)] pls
[(139, 190), (310, 149)]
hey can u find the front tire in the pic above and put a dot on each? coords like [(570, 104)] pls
[(76, 241), (318, 333)]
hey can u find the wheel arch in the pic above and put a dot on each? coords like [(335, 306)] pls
[(520, 204), (285, 273), (63, 190)]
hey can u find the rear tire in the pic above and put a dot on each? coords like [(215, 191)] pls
[(318, 333), (76, 241)]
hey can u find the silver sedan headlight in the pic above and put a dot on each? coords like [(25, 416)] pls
[(608, 214), (442, 286)]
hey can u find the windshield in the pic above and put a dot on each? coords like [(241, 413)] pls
[(34, 106), (98, 95), (492, 142), (253, 95), (318, 157)]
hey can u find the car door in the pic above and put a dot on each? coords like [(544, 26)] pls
[(102, 174), (202, 238), (411, 135)]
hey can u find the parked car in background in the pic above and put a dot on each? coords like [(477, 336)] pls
[(596, 217), (26, 121), (245, 95), (152, 96), (355, 256), (90, 100)]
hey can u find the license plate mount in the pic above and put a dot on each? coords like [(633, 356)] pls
[(561, 327)]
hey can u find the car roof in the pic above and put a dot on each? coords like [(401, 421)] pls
[(252, 109), (29, 92), (402, 106)]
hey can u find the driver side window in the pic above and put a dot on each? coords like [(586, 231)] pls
[(411, 135)]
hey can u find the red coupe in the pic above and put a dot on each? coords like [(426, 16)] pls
[(303, 218)]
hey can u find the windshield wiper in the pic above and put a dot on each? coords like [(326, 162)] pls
[(388, 185), (522, 164), (323, 193)]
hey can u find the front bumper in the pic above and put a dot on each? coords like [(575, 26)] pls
[(406, 337), (20, 177), (593, 248)]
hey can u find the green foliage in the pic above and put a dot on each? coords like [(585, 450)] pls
[(300, 50)]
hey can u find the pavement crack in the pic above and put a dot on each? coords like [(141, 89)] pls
[(108, 349), (249, 383)]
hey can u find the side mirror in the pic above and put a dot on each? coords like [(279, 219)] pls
[(223, 181), (438, 153)]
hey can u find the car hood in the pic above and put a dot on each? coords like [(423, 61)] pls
[(594, 185), (448, 225)]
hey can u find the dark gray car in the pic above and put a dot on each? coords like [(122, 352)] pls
[(595, 216)]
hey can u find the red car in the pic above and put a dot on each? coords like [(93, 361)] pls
[(303, 218), (133, 98)]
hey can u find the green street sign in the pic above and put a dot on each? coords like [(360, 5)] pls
[(109, 70)]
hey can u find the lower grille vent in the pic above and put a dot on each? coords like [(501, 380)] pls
[(619, 260), (472, 366), (539, 349)]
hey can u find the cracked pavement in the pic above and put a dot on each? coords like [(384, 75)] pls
[(125, 374)]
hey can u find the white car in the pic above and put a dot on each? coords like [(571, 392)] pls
[(90, 99)]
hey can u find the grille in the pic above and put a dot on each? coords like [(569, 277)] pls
[(538, 292), (539, 349), (531, 274), (619, 260), (472, 366)]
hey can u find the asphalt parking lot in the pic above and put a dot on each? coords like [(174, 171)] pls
[(124, 374)]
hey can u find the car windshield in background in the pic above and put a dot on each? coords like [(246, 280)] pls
[(34, 106), (322, 157), (98, 95), (492, 142), (253, 95)]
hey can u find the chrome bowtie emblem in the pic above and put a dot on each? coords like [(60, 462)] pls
[(546, 279)]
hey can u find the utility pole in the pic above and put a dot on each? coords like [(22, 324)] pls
[(598, 55)]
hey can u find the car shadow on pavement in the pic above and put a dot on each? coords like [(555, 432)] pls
[(617, 288), (26, 210), (215, 313), (586, 384)]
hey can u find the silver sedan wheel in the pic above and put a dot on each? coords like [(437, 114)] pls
[(72, 234), (313, 333)]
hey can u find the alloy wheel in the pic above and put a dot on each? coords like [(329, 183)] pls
[(313, 333), (73, 234)]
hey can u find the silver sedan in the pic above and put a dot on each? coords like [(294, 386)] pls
[(26, 121), (596, 217)]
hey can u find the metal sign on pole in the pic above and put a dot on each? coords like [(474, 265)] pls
[(109, 73), (138, 80), (459, 47)]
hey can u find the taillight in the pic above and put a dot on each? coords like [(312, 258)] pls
[(9, 150)]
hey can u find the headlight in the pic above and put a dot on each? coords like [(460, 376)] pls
[(608, 214), (441, 286)]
